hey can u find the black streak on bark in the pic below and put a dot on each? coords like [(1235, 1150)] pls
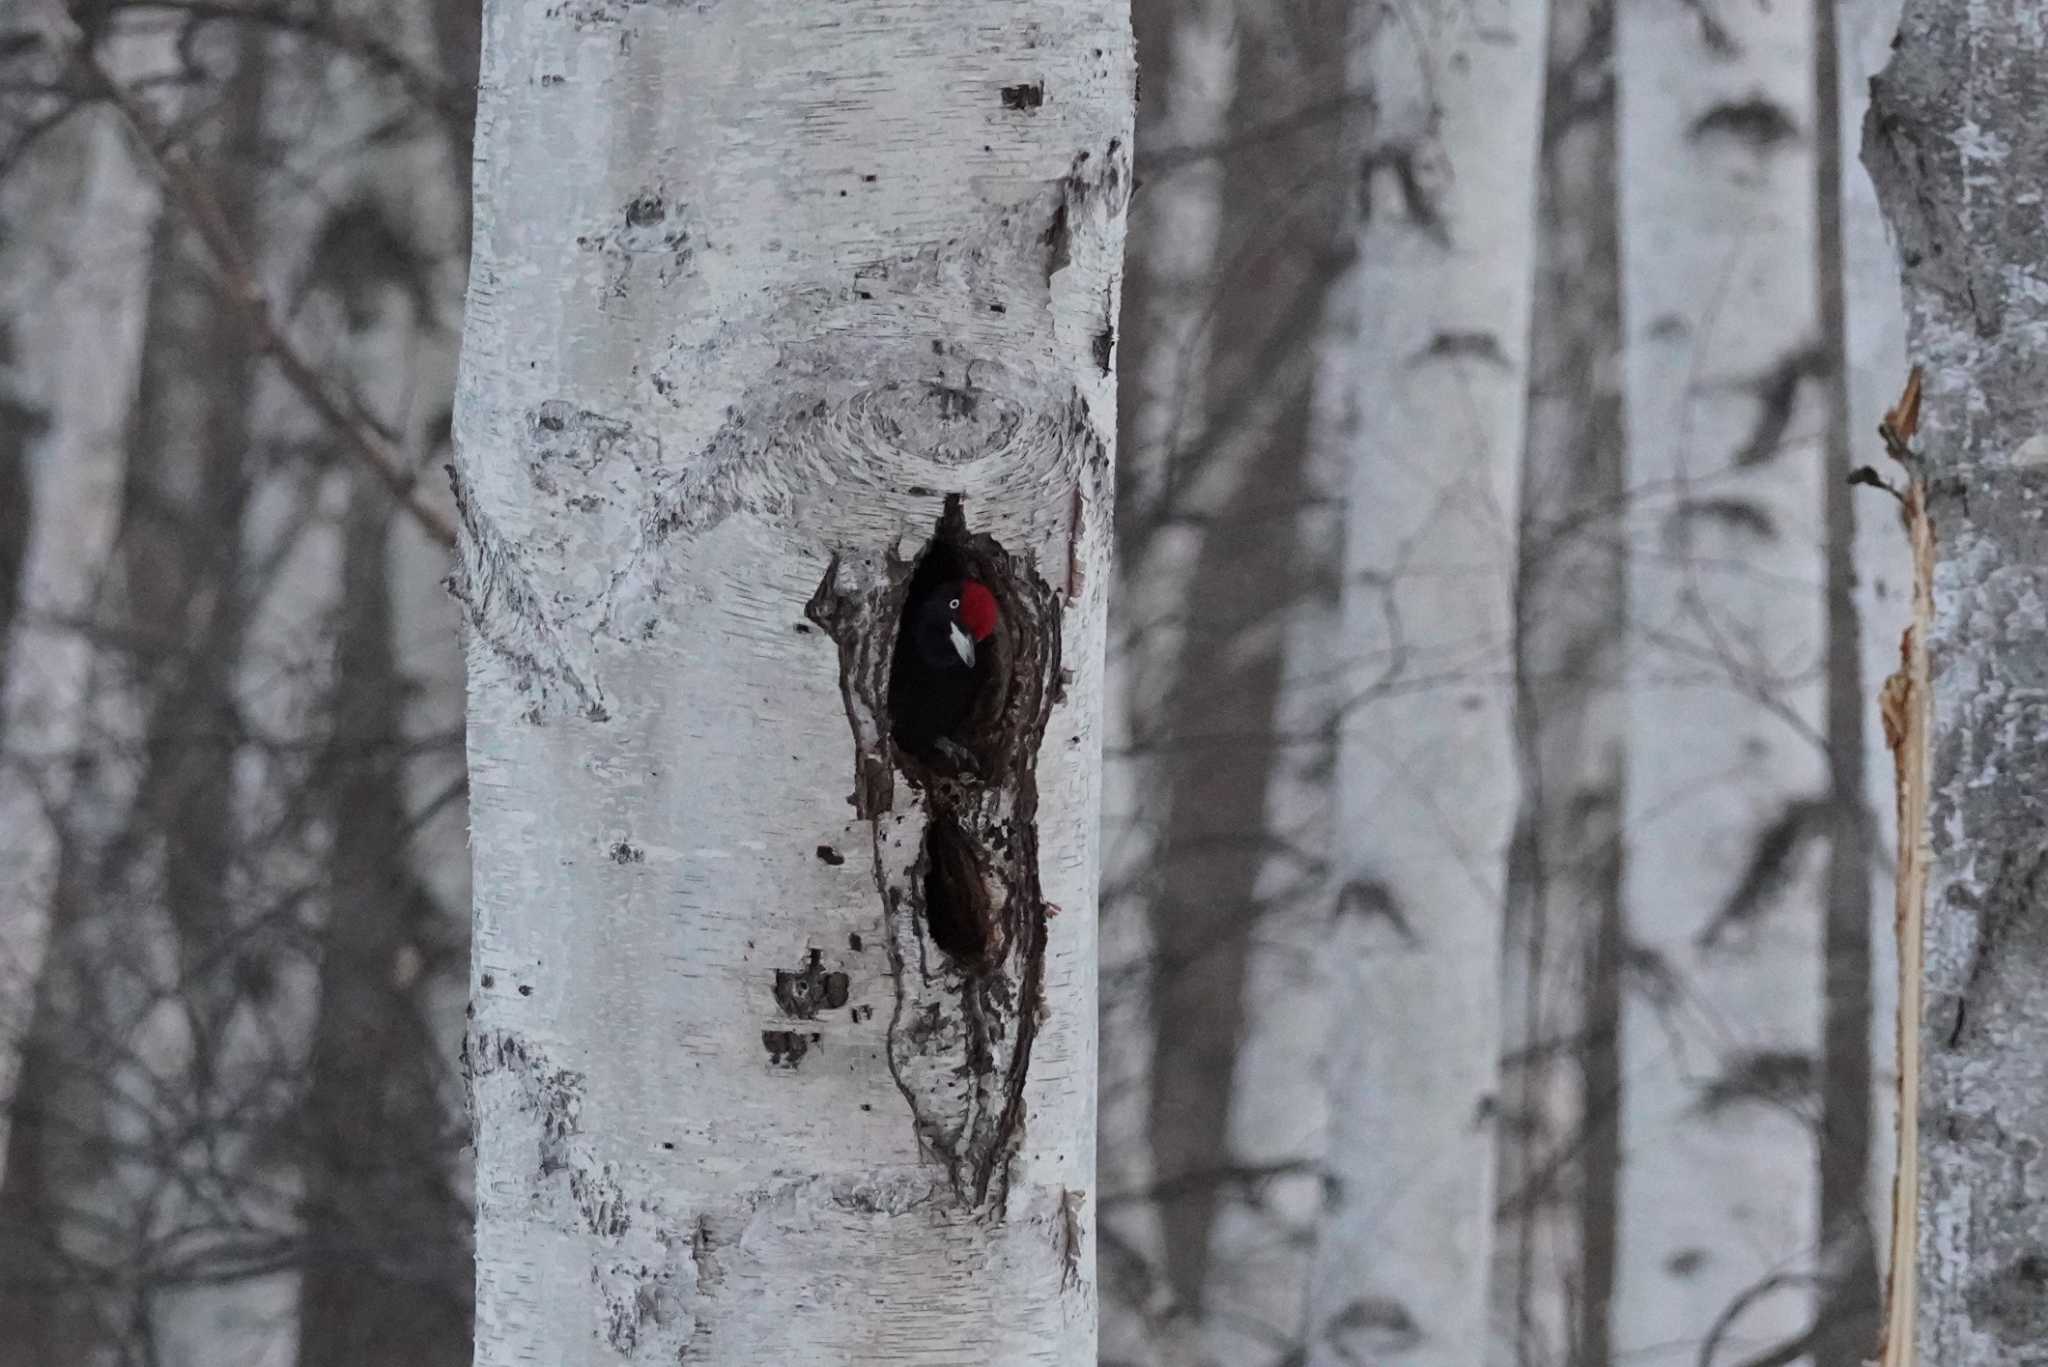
[(804, 992)]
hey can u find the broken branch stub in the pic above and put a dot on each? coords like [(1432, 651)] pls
[(956, 842)]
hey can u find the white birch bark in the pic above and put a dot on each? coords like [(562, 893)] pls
[(86, 349), (1958, 151), (1727, 812), (755, 295), (1426, 763)]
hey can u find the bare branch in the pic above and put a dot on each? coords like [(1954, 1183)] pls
[(238, 285)]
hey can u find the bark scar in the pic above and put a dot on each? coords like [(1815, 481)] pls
[(505, 611)]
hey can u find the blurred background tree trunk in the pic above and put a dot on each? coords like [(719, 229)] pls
[(1555, 1250), (1729, 810), (163, 1196), (1437, 381), (1167, 338), (1226, 542), (83, 223)]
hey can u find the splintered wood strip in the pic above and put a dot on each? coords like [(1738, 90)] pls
[(1904, 703)]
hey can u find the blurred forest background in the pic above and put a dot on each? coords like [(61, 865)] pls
[(1600, 704)]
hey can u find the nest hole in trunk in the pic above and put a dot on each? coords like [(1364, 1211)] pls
[(959, 914), (952, 723)]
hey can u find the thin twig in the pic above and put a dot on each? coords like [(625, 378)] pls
[(447, 97), (237, 282)]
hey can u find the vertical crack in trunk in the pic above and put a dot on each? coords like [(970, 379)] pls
[(956, 843)]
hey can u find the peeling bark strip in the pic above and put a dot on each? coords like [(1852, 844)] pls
[(732, 342), (1905, 709), (649, 1268), (1956, 147), (956, 862)]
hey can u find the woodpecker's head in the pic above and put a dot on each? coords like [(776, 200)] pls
[(950, 622)]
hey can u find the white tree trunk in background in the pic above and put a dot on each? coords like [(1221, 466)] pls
[(1426, 758), (1727, 816), (86, 341), (755, 294), (1958, 150)]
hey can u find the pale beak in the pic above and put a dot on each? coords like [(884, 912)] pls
[(963, 644)]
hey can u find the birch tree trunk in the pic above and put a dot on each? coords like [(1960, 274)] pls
[(1729, 808), (385, 1275), (1232, 1115), (1426, 761), (1957, 148), (1555, 1262), (784, 1036), (386, 1272), (87, 346)]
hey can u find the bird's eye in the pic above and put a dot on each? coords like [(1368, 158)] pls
[(955, 605)]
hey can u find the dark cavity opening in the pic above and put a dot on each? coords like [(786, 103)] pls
[(942, 713), (957, 911)]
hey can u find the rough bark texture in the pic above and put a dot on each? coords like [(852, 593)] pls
[(1426, 789), (783, 1040), (1957, 147)]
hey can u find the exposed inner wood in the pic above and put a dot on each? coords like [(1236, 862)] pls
[(1905, 701)]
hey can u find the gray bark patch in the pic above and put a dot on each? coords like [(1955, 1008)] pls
[(552, 1096), (2013, 1301), (1759, 123), (786, 1048), (1089, 178), (804, 992), (495, 586)]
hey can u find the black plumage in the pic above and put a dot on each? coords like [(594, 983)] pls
[(938, 671)]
